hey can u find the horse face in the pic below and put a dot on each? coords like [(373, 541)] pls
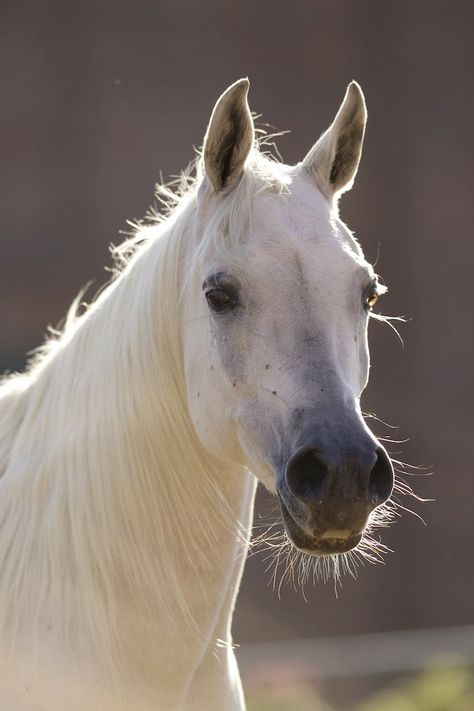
[(277, 353)]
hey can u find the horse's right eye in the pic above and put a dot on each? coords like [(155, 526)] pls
[(219, 300)]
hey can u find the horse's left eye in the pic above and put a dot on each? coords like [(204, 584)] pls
[(219, 300), (372, 296)]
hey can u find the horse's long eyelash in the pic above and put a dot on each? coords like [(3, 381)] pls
[(388, 321)]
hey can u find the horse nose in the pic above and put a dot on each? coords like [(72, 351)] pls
[(308, 476), (380, 479), (314, 477)]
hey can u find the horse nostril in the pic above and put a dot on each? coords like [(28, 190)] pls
[(307, 476), (380, 479)]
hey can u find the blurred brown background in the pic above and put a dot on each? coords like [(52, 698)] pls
[(99, 96)]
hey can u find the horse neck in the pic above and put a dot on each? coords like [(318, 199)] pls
[(126, 517)]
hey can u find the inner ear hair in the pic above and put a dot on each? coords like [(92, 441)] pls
[(232, 148), (347, 153)]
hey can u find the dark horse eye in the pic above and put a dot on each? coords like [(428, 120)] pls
[(219, 300)]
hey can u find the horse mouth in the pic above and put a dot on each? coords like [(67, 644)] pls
[(328, 543)]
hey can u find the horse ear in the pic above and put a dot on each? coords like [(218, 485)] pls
[(334, 159), (229, 137)]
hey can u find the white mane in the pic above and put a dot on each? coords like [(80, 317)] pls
[(82, 431)]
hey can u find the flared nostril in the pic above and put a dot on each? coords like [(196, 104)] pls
[(380, 479), (307, 476)]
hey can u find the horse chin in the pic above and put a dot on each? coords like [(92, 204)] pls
[(323, 545)]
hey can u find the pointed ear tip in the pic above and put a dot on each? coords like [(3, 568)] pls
[(354, 89), (241, 85), (235, 94), (356, 99)]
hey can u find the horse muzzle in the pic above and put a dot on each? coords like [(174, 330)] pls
[(326, 497)]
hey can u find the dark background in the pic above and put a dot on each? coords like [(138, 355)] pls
[(100, 96)]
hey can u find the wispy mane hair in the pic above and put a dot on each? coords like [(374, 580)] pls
[(98, 455)]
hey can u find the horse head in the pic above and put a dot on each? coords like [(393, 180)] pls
[(278, 303)]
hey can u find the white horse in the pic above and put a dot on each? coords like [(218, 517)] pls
[(231, 347)]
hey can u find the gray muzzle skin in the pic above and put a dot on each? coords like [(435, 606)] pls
[(327, 493)]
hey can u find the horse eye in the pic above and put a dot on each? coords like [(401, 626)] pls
[(372, 297), (218, 300)]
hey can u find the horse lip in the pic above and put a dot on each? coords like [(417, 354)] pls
[(329, 542), (333, 533)]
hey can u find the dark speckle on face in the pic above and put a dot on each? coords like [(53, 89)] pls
[(274, 392), (267, 366)]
